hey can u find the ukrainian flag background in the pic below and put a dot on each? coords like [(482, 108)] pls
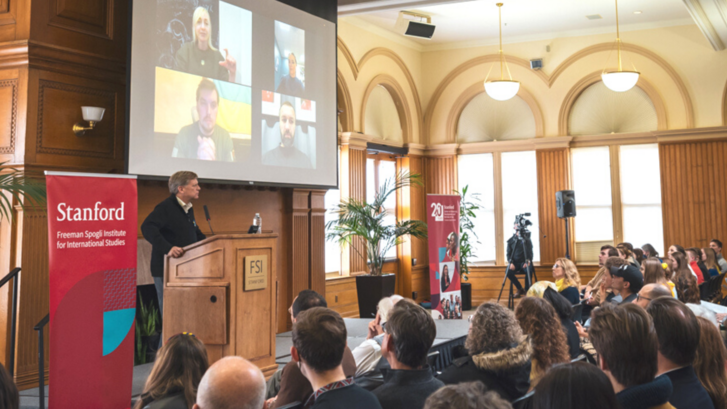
[(175, 104)]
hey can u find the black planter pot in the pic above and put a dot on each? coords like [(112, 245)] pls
[(466, 289), (370, 290)]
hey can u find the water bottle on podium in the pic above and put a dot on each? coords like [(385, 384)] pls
[(258, 222)]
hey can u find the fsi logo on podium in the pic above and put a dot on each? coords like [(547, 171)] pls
[(92, 230)]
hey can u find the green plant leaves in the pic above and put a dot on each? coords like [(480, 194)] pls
[(17, 187)]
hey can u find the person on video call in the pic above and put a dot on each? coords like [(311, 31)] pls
[(290, 84), (199, 57), (204, 139), (286, 154)]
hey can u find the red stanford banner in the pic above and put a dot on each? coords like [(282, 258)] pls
[(444, 280), (92, 233)]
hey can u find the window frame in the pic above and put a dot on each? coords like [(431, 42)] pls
[(379, 157)]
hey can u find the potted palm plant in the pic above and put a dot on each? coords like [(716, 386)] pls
[(467, 240), (16, 186), (357, 218)]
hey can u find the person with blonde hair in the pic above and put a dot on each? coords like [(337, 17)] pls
[(567, 280), (200, 57), (368, 354), (176, 374)]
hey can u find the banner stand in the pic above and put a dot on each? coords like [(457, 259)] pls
[(444, 273)]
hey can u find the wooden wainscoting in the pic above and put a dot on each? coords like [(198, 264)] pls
[(487, 280), (341, 296)]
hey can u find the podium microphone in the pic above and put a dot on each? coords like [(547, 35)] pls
[(207, 215)]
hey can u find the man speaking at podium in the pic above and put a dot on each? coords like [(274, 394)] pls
[(171, 226)]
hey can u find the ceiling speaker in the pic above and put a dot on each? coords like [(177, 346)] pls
[(415, 25)]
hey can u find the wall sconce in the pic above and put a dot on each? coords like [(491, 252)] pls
[(90, 115)]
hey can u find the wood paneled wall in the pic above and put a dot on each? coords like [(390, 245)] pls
[(419, 248), (553, 176), (357, 190), (693, 191), (440, 174)]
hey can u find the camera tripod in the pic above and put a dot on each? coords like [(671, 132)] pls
[(529, 272)]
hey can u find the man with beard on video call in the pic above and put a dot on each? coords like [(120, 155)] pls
[(286, 154), (204, 139)]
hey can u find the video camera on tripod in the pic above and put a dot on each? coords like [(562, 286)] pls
[(521, 225)]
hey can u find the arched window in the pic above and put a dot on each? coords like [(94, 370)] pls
[(484, 119), (599, 111), (382, 117)]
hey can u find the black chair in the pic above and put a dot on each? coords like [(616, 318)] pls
[(578, 313), (524, 402), (432, 361)]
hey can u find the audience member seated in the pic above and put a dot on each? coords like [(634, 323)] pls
[(590, 292), (231, 382), (175, 376), (606, 293), (9, 396), (578, 385), (675, 248), (627, 254), (564, 310), (685, 281), (540, 322), (639, 255), (626, 342), (694, 258), (655, 272), (409, 335), (709, 363), (294, 387), (651, 292), (716, 245), (319, 342), (469, 395), (677, 331), (710, 261), (499, 354), (567, 280), (650, 251), (368, 354), (627, 280)]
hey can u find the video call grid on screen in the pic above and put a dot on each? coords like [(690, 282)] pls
[(238, 90)]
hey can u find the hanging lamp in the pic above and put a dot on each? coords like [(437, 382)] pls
[(619, 80), (502, 89)]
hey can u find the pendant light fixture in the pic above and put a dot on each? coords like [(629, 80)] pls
[(501, 89), (619, 80)]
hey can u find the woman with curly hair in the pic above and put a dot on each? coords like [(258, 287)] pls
[(567, 280), (684, 281), (709, 363), (499, 354), (539, 320), (176, 374)]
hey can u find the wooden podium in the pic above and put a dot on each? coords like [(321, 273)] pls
[(223, 290)]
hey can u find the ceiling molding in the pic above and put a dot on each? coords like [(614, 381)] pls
[(711, 18), (352, 7), (344, 103), (488, 42), (397, 94)]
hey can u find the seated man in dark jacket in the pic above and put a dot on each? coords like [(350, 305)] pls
[(294, 387), (499, 354), (677, 330), (409, 333), (625, 340)]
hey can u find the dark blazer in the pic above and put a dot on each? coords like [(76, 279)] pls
[(506, 372), (571, 294), (407, 389), (571, 334), (688, 392), (349, 397), (170, 402), (168, 226)]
